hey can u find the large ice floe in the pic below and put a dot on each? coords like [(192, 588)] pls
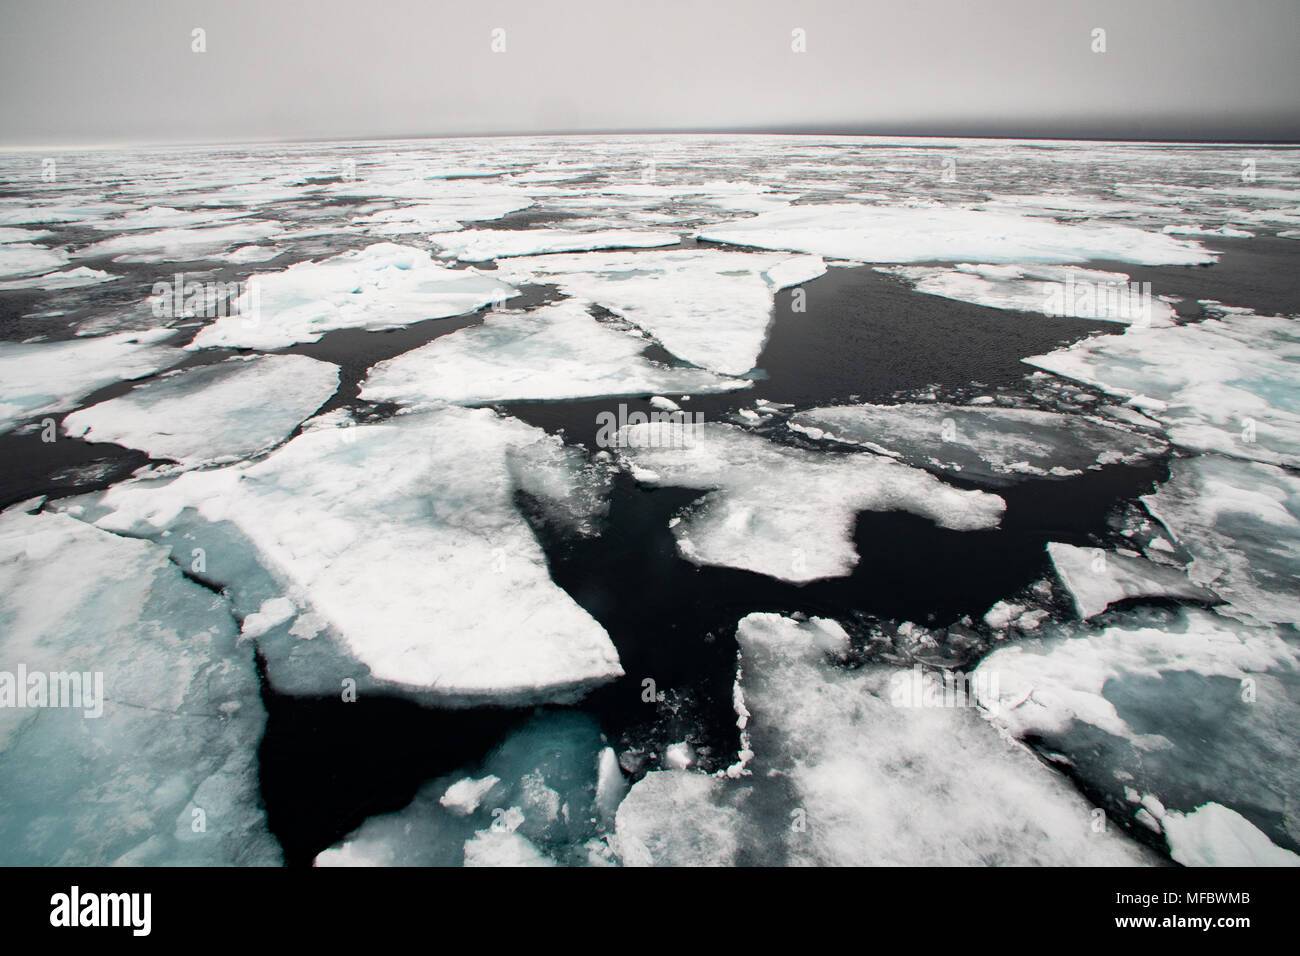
[(387, 541), (555, 352), (213, 413), (130, 718), (478, 245), (1060, 291), (846, 770), (383, 286), (1164, 710), (1225, 384), (710, 308), (39, 378), (918, 234), (1097, 578), (1240, 521), (982, 443), (536, 800), (783, 511)]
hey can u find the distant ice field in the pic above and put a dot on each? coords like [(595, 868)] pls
[(627, 480)]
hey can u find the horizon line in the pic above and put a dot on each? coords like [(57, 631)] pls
[(671, 131)]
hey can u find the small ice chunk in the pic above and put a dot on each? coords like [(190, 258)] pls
[(465, 795), (272, 613)]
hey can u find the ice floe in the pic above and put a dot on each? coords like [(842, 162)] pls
[(383, 286), (1185, 706), (214, 413), (179, 245), (26, 258), (983, 442), (783, 511), (864, 233), (1225, 384), (710, 308), (53, 281), (150, 757), (1240, 521), (478, 245), (846, 773), (554, 352), (392, 537), (1097, 578), (38, 378), (1060, 291)]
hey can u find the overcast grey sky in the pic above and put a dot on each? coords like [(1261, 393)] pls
[(109, 71)]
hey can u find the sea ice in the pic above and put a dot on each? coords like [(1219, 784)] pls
[(785, 511), (1240, 521), (1063, 291), (396, 535), (983, 443), (479, 245), (1224, 384), (39, 378), (847, 773), (162, 769), (864, 233), (212, 414), (1214, 835), (554, 352), (179, 245), (53, 281), (26, 258), (1186, 706), (710, 308), (1096, 578), (383, 286)]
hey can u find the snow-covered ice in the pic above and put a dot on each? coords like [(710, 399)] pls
[(1240, 521), (1187, 706), (864, 233), (785, 511), (396, 536), (1097, 578), (554, 352), (1062, 291), (39, 378), (710, 308), (845, 775), (383, 286), (214, 413), (180, 244), (1225, 384), (983, 442)]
